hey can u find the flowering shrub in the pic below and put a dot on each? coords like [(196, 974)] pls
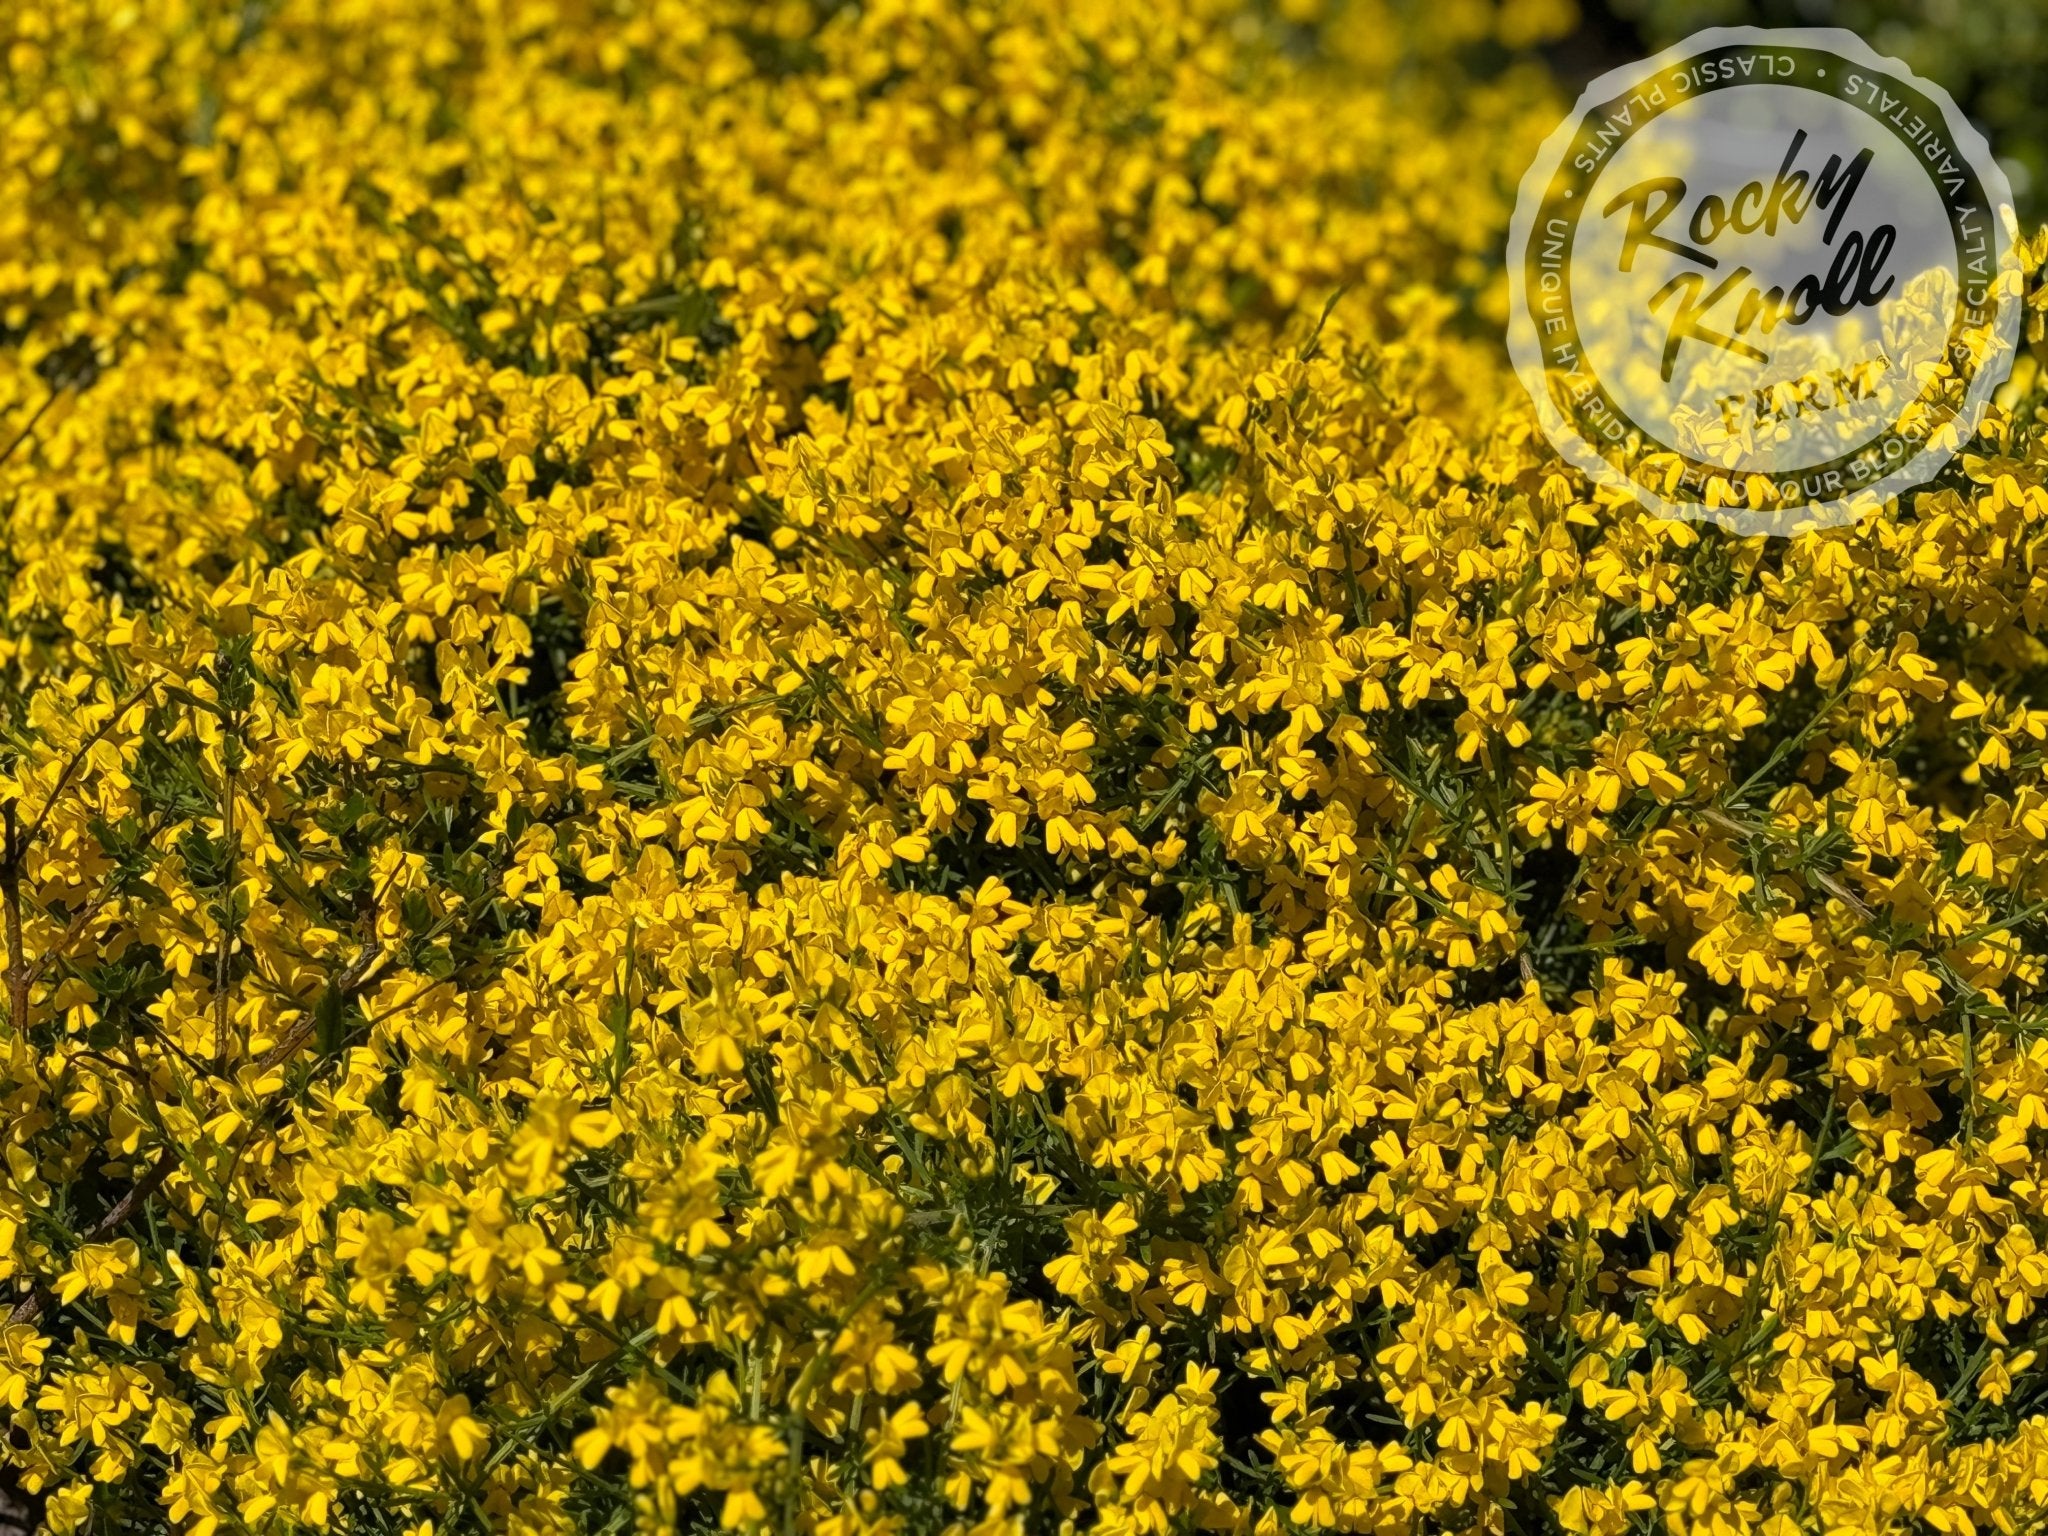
[(852, 769)]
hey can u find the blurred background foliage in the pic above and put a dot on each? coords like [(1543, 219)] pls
[(1991, 55)]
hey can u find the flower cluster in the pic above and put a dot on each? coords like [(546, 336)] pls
[(851, 770)]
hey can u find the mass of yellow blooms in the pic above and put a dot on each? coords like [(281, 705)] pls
[(851, 770)]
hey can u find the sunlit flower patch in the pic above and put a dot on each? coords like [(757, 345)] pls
[(852, 769)]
